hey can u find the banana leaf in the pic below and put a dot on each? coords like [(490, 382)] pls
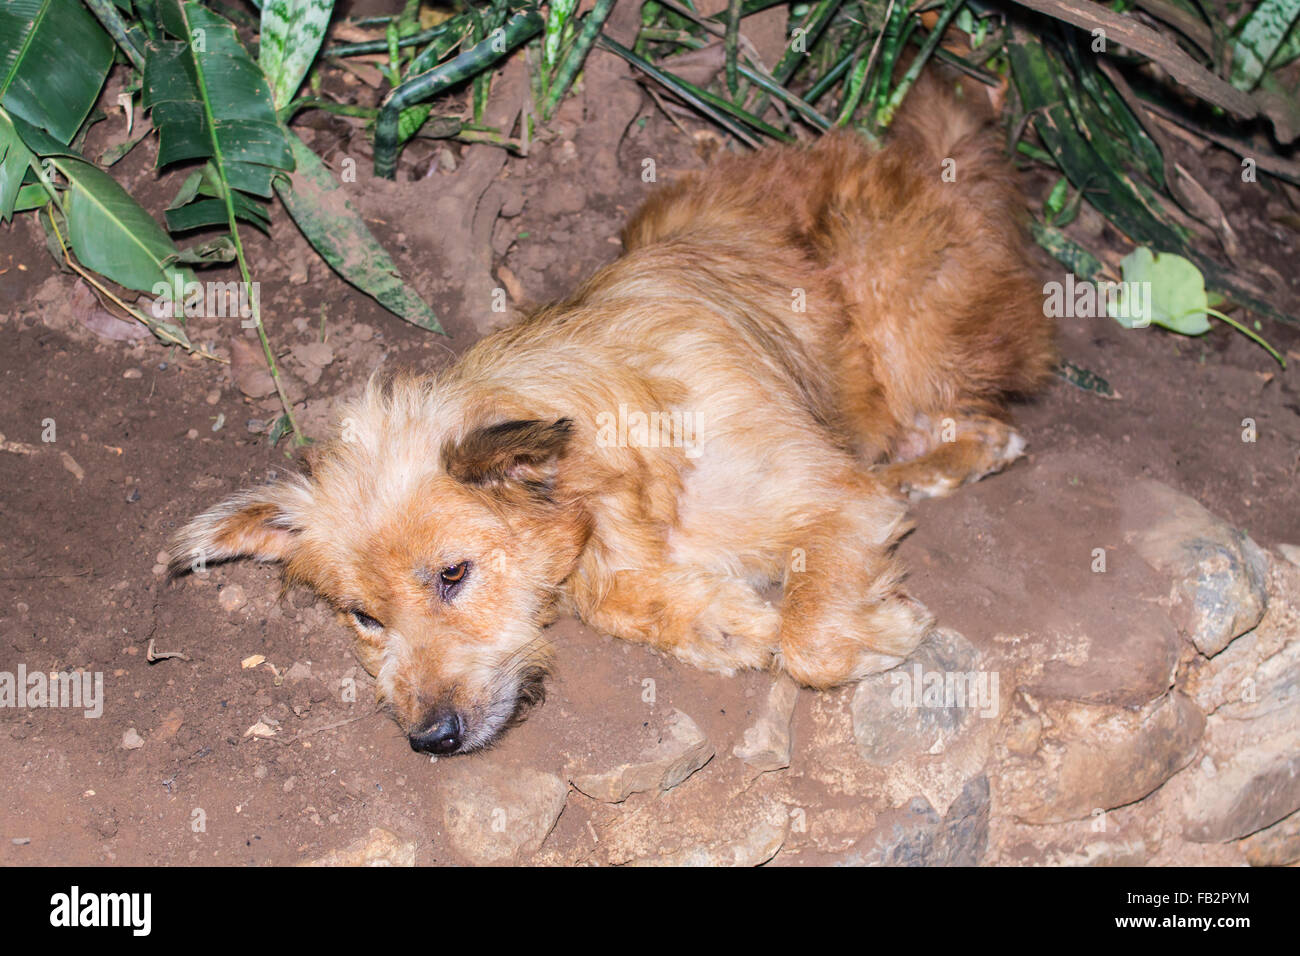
[(109, 232), (54, 57), (209, 100)]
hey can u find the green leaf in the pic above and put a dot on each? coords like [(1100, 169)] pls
[(1257, 40), (291, 35), (112, 234), (1055, 201), (54, 57), (15, 166), (1166, 289), (210, 101), (108, 230), (336, 230)]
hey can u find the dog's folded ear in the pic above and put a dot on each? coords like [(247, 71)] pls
[(259, 523), (525, 453)]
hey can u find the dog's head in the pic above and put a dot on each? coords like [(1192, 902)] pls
[(444, 547)]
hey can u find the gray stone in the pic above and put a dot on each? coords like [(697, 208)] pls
[(766, 745), (916, 835), (1219, 575), (682, 749), (923, 704), (497, 815)]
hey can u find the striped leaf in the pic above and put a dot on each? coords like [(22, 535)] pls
[(291, 35)]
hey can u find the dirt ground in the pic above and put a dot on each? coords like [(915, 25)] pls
[(145, 437)]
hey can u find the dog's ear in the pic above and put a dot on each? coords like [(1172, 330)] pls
[(526, 453), (260, 524)]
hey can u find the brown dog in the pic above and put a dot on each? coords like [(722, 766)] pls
[(792, 342)]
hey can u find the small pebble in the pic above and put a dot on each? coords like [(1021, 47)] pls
[(256, 425), (192, 433), (213, 396), (131, 740), (232, 598), (133, 373)]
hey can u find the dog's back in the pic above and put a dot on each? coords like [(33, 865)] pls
[(920, 244)]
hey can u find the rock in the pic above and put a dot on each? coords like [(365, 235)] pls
[(562, 197), (763, 842), (302, 598), (251, 375), (231, 598), (681, 750), (1278, 845), (917, 836), (314, 353), (923, 704), (298, 672), (381, 848), (766, 745), (1291, 552), (499, 815), (1254, 788), (170, 725), (131, 740), (1081, 620), (1219, 575), (1093, 756)]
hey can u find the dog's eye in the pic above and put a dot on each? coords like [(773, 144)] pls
[(366, 622), (450, 579)]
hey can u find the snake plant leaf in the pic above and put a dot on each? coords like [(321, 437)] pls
[(337, 231), (1092, 168), (54, 57), (291, 35), (209, 100), (1257, 39)]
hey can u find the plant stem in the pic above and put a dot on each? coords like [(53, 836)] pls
[(1248, 333)]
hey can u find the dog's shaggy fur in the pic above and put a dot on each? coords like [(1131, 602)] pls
[(793, 342)]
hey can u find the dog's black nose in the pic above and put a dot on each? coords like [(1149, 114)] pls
[(443, 735)]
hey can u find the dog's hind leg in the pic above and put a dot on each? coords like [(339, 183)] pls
[(845, 614), (940, 455), (713, 621)]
